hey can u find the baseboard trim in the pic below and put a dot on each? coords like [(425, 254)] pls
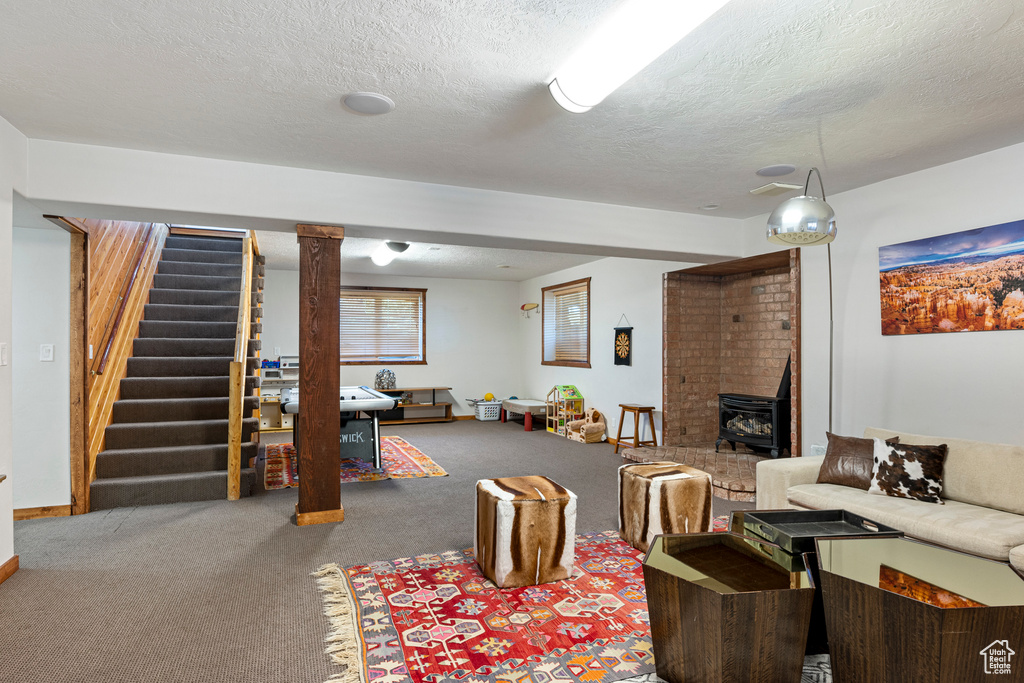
[(21, 514), (464, 417), (8, 568)]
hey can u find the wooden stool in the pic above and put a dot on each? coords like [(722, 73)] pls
[(636, 409), (662, 498), (525, 531)]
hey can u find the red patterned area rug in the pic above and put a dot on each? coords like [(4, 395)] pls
[(435, 618), (401, 460)]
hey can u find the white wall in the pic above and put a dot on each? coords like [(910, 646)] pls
[(280, 313), (42, 432), (471, 334), (13, 159), (618, 286), (968, 385)]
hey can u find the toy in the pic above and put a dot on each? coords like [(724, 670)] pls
[(564, 404), (588, 430), (488, 396)]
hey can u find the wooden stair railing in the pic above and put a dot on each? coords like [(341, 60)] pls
[(236, 396), (104, 388), (117, 313)]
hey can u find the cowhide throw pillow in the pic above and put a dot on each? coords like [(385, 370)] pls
[(907, 471), (849, 461)]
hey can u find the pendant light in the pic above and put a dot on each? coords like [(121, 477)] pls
[(803, 220)]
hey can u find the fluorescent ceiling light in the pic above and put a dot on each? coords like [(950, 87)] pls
[(635, 34), (387, 251)]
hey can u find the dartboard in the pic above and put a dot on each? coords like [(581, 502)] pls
[(622, 345)]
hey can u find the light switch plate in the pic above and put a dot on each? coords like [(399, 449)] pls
[(46, 353), (3, 353)]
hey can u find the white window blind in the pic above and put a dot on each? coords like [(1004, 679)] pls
[(567, 323), (382, 325)]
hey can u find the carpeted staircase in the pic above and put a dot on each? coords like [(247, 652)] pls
[(167, 441)]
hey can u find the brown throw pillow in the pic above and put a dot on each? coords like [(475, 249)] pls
[(849, 461), (906, 471)]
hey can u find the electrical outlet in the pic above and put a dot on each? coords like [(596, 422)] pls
[(3, 353), (46, 353)]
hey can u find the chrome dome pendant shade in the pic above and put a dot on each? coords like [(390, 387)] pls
[(803, 220)]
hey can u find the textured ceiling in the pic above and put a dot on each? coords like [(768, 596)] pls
[(426, 260), (865, 90)]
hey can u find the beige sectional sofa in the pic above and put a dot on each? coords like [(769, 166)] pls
[(983, 492)]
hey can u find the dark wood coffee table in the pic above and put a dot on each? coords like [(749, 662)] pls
[(882, 636), (723, 612), (795, 532)]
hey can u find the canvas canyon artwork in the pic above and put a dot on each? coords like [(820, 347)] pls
[(969, 281)]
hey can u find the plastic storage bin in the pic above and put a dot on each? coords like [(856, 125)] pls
[(488, 410)]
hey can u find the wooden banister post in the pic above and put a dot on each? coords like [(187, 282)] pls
[(236, 381), (319, 374)]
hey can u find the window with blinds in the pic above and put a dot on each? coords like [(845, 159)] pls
[(383, 325), (565, 316)]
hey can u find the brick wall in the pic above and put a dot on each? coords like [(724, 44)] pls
[(755, 332), (724, 334), (692, 362)]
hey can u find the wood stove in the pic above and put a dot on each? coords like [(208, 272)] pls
[(760, 422)]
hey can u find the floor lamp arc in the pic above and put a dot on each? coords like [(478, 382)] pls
[(808, 221)]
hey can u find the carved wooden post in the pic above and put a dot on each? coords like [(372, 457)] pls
[(319, 375)]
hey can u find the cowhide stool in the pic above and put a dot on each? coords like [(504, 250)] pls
[(525, 531), (662, 498)]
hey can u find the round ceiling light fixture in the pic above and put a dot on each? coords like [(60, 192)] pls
[(776, 170), (368, 103), (387, 251)]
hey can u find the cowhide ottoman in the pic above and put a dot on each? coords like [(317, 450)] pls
[(662, 498), (525, 531)]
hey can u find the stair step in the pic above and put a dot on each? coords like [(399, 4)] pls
[(199, 256), (194, 297), (165, 267), (165, 488), (199, 243), (221, 284), (180, 433), (176, 346), (177, 409), (185, 366), (186, 329), (180, 387), (141, 462), (189, 313)]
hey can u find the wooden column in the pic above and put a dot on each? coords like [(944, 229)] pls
[(78, 350), (319, 374)]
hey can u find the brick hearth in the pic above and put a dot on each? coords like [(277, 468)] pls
[(732, 474)]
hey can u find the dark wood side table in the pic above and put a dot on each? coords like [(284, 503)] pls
[(885, 637), (723, 612)]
